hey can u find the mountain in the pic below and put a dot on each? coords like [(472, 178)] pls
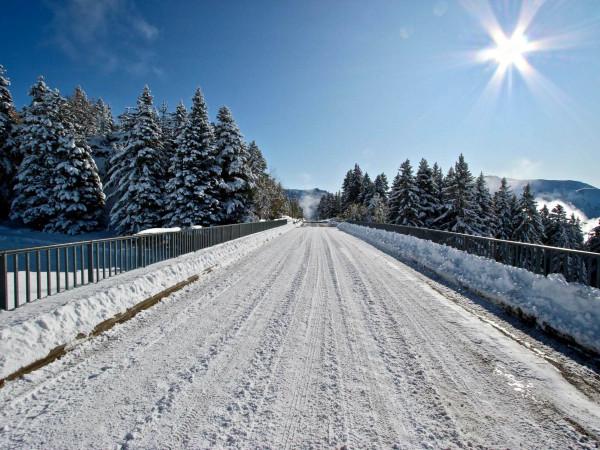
[(582, 196), (307, 198)]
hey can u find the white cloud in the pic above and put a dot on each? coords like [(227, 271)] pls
[(440, 8), (405, 33), (524, 168), (110, 34), (587, 223)]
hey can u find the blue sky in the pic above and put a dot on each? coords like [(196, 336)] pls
[(322, 84)]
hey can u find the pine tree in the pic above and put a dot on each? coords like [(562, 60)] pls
[(503, 212), (438, 183), (381, 186), (393, 200), (256, 160), (486, 220), (575, 232), (9, 156), (367, 190), (428, 202), (81, 114), (193, 189), (77, 195), (138, 179), (461, 213), (38, 138), (406, 199), (58, 188), (352, 186), (593, 242), (546, 224), (237, 180), (528, 223), (444, 215), (377, 209), (559, 233)]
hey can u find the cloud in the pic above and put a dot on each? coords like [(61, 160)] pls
[(309, 204), (405, 33), (587, 223), (109, 34), (440, 8), (524, 169)]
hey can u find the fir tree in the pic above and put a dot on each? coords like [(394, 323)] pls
[(461, 215), (407, 198), (503, 212), (237, 180), (546, 224), (9, 155), (593, 242), (139, 178), (559, 233), (377, 209), (256, 160), (352, 186), (81, 114), (38, 139), (393, 200), (381, 186), (444, 217), (428, 202), (367, 190), (77, 195), (528, 222), (486, 218), (193, 189), (576, 232)]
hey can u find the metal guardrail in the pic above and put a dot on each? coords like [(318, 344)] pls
[(575, 265), (33, 273)]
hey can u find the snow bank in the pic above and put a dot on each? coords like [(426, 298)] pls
[(30, 332), (572, 309)]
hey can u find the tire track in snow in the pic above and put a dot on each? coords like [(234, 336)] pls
[(477, 414)]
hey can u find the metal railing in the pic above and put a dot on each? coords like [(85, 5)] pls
[(575, 265), (33, 273)]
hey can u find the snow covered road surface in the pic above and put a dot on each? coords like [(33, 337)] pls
[(316, 339)]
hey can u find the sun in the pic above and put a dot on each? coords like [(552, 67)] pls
[(510, 51)]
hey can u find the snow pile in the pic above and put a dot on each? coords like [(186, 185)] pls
[(30, 332), (158, 231), (571, 309)]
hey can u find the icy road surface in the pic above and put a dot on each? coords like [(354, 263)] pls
[(315, 340)]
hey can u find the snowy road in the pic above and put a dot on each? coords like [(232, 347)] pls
[(315, 340)]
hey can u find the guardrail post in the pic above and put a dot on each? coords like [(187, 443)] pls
[(90, 262), (3, 282)]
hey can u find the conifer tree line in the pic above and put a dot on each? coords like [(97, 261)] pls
[(67, 166), (457, 202)]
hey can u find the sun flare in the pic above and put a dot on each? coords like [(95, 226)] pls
[(510, 51)]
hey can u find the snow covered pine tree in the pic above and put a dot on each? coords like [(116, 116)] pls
[(235, 194), (58, 188), (138, 177), (9, 156), (193, 187)]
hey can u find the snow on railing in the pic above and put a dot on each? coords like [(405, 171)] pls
[(575, 265), (33, 273)]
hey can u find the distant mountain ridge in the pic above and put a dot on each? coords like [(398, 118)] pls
[(582, 196)]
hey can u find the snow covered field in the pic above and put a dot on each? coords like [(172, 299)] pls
[(570, 308), (315, 339)]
